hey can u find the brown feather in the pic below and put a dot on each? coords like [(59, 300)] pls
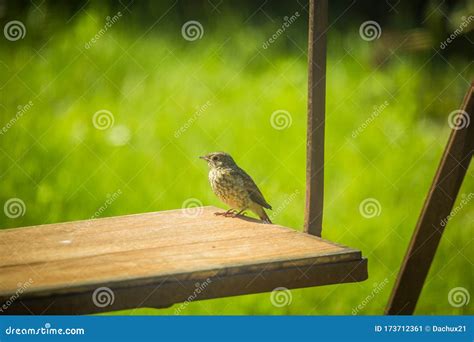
[(253, 190)]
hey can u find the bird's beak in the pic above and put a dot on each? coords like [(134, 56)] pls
[(204, 157)]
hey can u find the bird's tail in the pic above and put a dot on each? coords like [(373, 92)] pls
[(263, 215)]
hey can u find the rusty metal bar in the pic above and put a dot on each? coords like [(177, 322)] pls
[(438, 205), (318, 22)]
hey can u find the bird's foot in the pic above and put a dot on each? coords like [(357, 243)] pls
[(240, 213), (228, 213)]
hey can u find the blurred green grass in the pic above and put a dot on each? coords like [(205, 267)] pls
[(153, 82)]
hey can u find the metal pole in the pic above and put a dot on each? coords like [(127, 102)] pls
[(318, 22), (438, 205)]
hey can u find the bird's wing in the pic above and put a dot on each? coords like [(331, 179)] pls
[(253, 190)]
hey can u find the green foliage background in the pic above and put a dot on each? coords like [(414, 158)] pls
[(153, 80)]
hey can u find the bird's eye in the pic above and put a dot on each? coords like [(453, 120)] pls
[(215, 158)]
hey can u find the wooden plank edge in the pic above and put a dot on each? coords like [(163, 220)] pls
[(272, 264), (168, 292)]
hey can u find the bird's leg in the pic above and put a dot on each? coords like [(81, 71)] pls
[(226, 213), (230, 213), (242, 212)]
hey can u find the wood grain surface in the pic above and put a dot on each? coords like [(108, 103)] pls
[(156, 259)]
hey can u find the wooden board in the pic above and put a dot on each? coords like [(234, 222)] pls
[(156, 259)]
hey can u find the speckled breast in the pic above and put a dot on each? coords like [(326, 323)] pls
[(229, 188)]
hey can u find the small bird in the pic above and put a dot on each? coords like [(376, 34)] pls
[(235, 187)]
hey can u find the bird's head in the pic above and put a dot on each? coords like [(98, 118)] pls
[(218, 159)]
